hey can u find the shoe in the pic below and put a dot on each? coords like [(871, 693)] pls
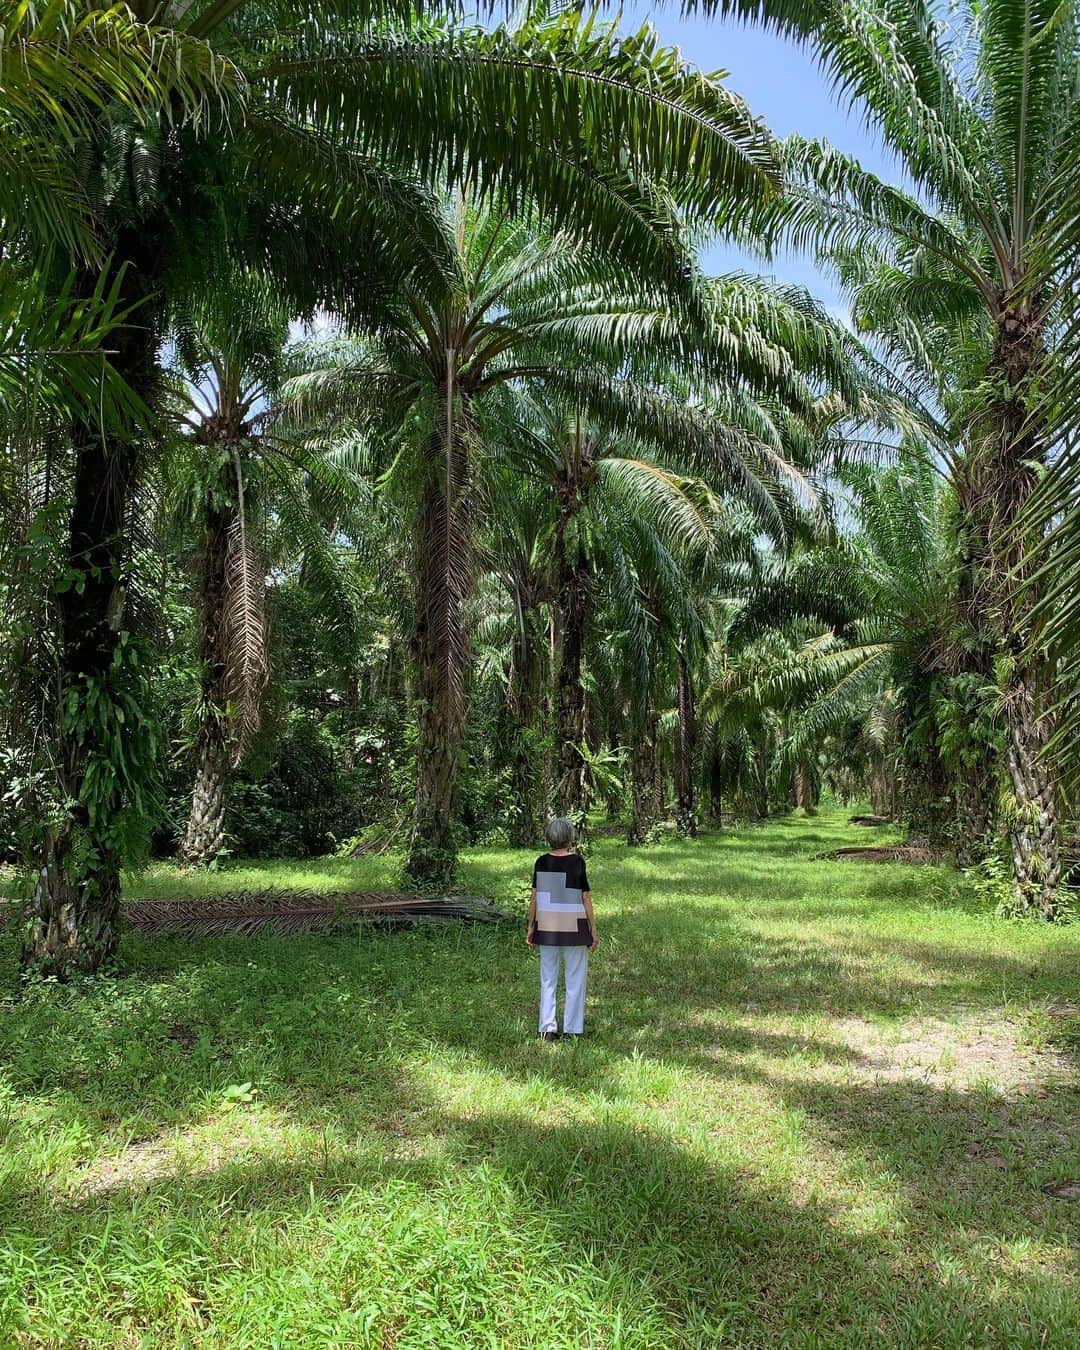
[(549, 1035)]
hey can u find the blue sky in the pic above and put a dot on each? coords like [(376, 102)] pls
[(782, 84)]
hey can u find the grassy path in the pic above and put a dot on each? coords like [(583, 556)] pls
[(817, 1107)]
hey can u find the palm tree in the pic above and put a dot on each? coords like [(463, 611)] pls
[(62, 68), (981, 109), (68, 72), (425, 387), (882, 639), (743, 708), (496, 309), (313, 119), (686, 738), (733, 560), (620, 518), (230, 350), (738, 423), (261, 490)]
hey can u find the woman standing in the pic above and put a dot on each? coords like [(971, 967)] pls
[(562, 924)]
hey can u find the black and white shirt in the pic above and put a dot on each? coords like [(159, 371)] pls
[(561, 920)]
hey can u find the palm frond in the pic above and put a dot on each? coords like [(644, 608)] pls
[(243, 623)]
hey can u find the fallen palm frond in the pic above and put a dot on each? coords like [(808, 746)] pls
[(286, 913), (921, 855)]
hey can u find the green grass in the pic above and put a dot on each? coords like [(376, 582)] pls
[(816, 1107)]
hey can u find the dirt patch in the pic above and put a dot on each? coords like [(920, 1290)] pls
[(919, 855), (182, 1035), (1066, 1190), (190, 1151), (140, 1164), (965, 1051)]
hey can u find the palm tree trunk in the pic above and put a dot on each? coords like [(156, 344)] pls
[(525, 824), (1034, 832), (685, 749), (432, 855), (715, 783), (761, 779), (972, 784), (974, 809), (656, 768), (77, 895), (350, 712), (205, 833), (526, 769), (573, 598), (204, 836), (640, 789), (521, 707), (803, 788), (880, 795), (441, 647), (1008, 454)]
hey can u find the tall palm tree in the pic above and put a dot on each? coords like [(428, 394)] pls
[(739, 419), (743, 708), (256, 485), (686, 739), (981, 107), (293, 152), (230, 351), (495, 309), (68, 72), (733, 561)]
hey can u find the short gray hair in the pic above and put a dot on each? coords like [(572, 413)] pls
[(560, 832)]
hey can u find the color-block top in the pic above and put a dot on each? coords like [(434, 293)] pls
[(561, 920)]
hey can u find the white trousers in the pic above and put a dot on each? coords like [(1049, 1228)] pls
[(575, 962)]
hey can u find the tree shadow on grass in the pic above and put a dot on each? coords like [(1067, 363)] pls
[(319, 1012), (720, 864), (719, 1238), (587, 1226), (334, 1032), (706, 966), (331, 1031), (970, 1161)]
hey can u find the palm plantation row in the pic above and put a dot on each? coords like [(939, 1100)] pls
[(596, 528)]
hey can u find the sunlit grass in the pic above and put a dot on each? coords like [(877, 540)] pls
[(356, 1140)]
